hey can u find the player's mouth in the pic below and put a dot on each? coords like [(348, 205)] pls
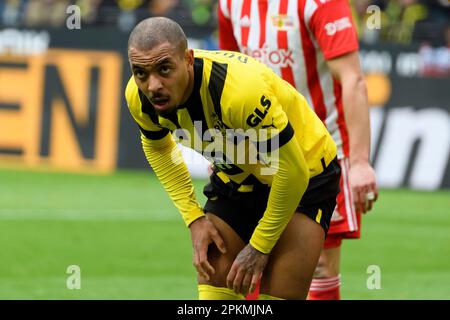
[(160, 103)]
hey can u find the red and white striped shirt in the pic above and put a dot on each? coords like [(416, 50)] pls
[(295, 38)]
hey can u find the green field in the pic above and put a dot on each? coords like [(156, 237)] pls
[(130, 243)]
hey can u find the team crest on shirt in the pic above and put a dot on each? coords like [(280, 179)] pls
[(283, 22)]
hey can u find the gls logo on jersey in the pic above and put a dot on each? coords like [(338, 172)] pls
[(257, 116), (338, 25)]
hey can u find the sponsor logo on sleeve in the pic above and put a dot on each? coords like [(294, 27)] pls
[(341, 24)]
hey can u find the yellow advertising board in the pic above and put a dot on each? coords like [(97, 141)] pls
[(61, 109)]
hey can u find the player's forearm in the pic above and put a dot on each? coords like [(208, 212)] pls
[(170, 168), (288, 186), (356, 112)]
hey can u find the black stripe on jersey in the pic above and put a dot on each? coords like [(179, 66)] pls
[(194, 104), (173, 117), (148, 108), (216, 84), (154, 135), (283, 137), (322, 161)]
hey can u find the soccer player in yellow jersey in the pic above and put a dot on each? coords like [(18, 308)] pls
[(276, 177)]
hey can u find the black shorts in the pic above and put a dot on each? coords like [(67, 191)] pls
[(243, 210)]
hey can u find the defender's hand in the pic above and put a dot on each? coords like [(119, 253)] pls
[(246, 270), (364, 187), (203, 232)]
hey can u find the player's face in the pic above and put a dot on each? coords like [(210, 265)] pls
[(162, 74)]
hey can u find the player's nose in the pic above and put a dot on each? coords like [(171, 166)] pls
[(154, 85)]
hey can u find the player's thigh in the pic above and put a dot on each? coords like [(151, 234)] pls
[(291, 265), (222, 262)]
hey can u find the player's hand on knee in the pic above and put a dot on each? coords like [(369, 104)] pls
[(246, 270), (203, 233), (364, 187)]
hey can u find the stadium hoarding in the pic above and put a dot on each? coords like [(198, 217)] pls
[(410, 119), (50, 117), (62, 106)]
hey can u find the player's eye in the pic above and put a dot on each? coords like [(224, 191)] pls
[(164, 70), (140, 74)]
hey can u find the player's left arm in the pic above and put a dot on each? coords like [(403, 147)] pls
[(291, 169), (346, 69)]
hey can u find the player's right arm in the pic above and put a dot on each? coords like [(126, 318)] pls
[(227, 41), (167, 162), (165, 158)]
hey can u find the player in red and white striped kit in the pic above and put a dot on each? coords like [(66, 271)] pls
[(313, 45)]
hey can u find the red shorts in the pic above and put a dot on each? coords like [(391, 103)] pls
[(345, 222)]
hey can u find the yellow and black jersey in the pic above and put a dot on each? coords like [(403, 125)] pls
[(253, 125)]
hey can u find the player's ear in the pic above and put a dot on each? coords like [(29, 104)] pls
[(189, 56)]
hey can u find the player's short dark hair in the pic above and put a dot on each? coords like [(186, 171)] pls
[(156, 30)]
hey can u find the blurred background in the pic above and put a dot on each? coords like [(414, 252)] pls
[(75, 188)]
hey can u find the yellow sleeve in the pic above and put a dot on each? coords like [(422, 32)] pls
[(260, 110), (169, 166), (165, 159), (288, 186)]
